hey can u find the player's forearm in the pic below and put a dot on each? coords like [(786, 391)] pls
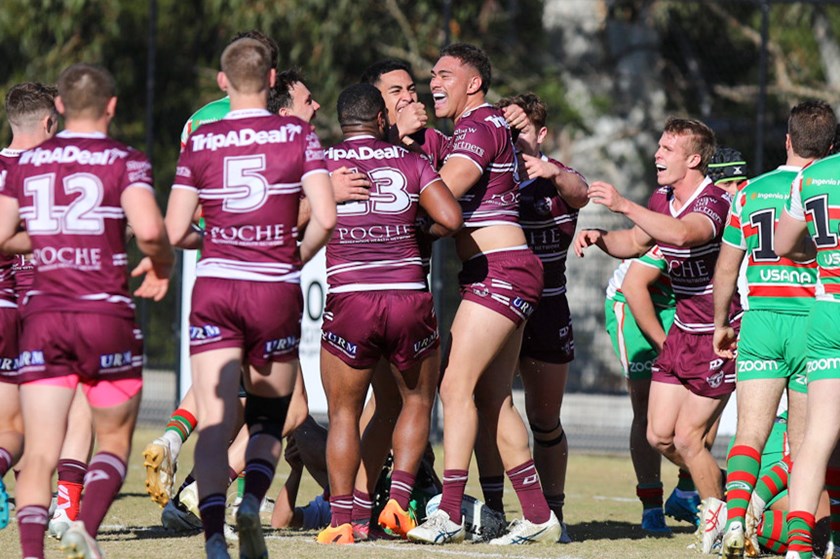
[(662, 228), (571, 188), (620, 244), (725, 283), (20, 243), (644, 312), (314, 239)]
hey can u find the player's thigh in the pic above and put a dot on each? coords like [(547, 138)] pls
[(345, 387), (45, 408), (215, 380), (696, 417), (114, 424), (10, 413), (664, 405), (496, 383), (757, 400)]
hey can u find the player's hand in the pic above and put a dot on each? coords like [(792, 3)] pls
[(605, 194), (349, 185), (725, 342), (156, 280), (515, 116), (411, 119), (536, 167), (587, 238)]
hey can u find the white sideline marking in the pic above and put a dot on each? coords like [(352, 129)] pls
[(616, 499)]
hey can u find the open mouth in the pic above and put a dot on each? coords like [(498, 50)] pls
[(439, 98)]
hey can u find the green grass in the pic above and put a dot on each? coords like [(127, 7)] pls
[(601, 510)]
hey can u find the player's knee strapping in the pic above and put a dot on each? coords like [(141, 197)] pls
[(266, 416), (550, 437)]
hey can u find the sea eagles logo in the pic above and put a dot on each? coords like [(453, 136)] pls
[(543, 206), (716, 379), (480, 289)]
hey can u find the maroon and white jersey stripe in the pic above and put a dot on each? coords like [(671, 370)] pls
[(247, 170), (691, 269), (69, 190), (482, 135), (8, 159), (373, 246), (549, 226)]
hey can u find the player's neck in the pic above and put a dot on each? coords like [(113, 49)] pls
[(243, 102), (794, 160), (473, 101), (87, 125), (685, 187), (367, 129), (24, 141)]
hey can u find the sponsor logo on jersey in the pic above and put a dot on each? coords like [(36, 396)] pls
[(640, 366), (821, 182), (688, 269), (281, 345), (426, 342), (114, 360), (365, 153), (249, 233), (542, 205), (245, 137), (497, 120), (757, 365), (522, 306), (464, 145), (348, 348), (205, 333), (788, 276), (76, 257), (769, 196), (71, 154), (32, 359), (374, 233), (824, 364), (715, 364), (9, 364)]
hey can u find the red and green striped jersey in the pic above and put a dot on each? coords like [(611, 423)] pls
[(815, 199), (660, 291), (211, 112), (774, 283)]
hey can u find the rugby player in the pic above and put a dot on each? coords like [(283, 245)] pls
[(374, 269), (685, 218), (501, 282), (74, 193), (247, 170), (780, 292), (30, 110), (812, 208)]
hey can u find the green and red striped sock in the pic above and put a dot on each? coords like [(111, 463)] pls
[(742, 469), (182, 422), (772, 531), (799, 526), (775, 481)]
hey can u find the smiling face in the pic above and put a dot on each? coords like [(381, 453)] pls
[(452, 84), (303, 105), (398, 89), (673, 160)]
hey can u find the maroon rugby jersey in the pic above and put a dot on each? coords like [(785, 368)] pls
[(8, 158), (374, 246), (482, 135), (432, 142), (69, 190), (549, 226), (248, 169), (691, 269)]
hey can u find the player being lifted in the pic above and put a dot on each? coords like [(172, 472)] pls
[(772, 344), (501, 282), (685, 218), (75, 193), (247, 170)]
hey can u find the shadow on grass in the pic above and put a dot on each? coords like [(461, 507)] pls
[(128, 533), (614, 530)]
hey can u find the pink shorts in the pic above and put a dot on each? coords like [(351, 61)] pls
[(361, 327), (100, 394), (9, 349), (94, 346), (548, 334), (261, 318), (508, 282), (689, 359)]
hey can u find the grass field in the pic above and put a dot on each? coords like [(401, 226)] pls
[(601, 510)]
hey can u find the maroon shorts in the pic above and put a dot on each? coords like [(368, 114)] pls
[(548, 334), (360, 327), (93, 346), (689, 359), (9, 349), (261, 318), (508, 282)]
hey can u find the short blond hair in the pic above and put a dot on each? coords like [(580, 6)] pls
[(246, 63), (85, 90)]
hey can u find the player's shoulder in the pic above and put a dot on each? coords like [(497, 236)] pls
[(211, 112)]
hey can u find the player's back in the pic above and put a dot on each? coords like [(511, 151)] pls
[(69, 189), (247, 170), (374, 245), (8, 159)]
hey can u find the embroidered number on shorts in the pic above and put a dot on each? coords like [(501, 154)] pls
[(245, 188), (79, 217)]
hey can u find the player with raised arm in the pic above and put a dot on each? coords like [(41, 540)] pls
[(247, 171), (501, 282), (30, 110), (780, 291), (690, 385), (374, 270), (75, 193), (812, 210)]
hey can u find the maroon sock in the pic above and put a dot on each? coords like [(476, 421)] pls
[(5, 461), (258, 476), (526, 483), (402, 484), (362, 507), (454, 483), (72, 470), (32, 524), (342, 509), (493, 488), (212, 510), (105, 476)]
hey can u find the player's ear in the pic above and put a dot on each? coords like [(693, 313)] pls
[(474, 85), (694, 160), (541, 134), (222, 81), (272, 77), (111, 107), (59, 104)]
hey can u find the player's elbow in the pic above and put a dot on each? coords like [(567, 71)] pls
[(452, 221), (152, 232)]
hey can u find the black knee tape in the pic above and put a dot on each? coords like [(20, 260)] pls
[(266, 416), (549, 442)]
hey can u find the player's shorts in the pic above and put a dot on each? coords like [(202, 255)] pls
[(690, 360), (363, 326), (773, 346), (635, 352), (93, 346), (261, 318), (548, 333), (823, 341), (9, 348), (508, 282)]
